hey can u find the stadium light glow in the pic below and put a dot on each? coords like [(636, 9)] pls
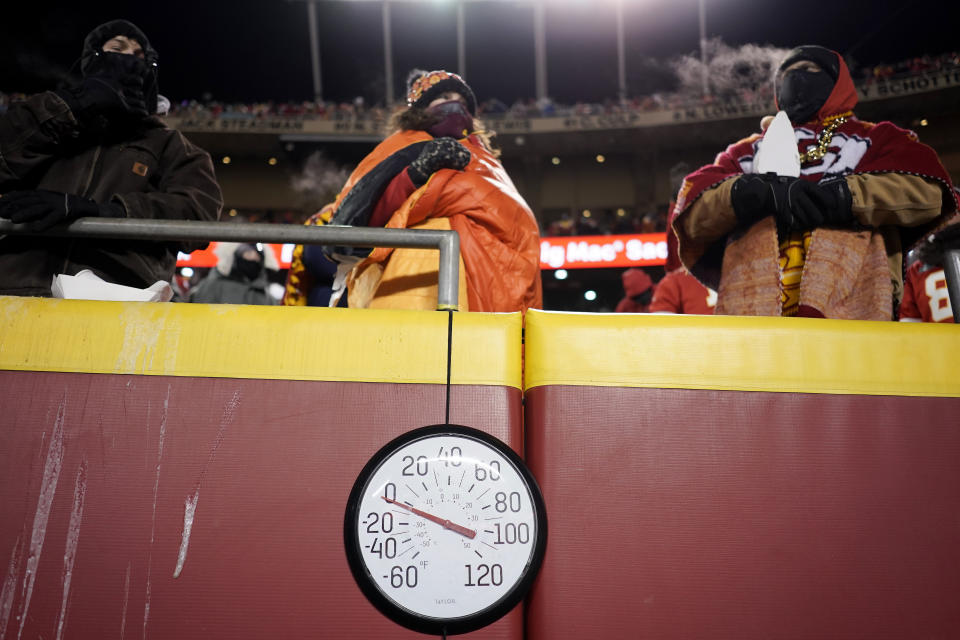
[(590, 295)]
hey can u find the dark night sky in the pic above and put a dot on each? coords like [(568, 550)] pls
[(245, 50)]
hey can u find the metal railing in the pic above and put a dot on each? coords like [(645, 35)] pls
[(951, 270), (447, 242)]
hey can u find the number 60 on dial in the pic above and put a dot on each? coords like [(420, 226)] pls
[(445, 529)]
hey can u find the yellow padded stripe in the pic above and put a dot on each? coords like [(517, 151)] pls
[(739, 353), (234, 341)]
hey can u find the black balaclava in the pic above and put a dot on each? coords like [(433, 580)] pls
[(455, 120), (801, 93), (95, 61), (249, 269)]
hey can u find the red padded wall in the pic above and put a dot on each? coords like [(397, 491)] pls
[(98, 468), (719, 514)]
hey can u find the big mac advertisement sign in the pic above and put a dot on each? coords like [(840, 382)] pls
[(556, 252), (592, 252)]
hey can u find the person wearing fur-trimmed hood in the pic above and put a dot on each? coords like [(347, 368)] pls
[(240, 276), (828, 243), (437, 170)]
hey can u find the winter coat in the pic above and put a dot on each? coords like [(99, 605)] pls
[(153, 172), (499, 238), (217, 288), (225, 284), (636, 282)]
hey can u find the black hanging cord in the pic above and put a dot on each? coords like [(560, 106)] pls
[(446, 419)]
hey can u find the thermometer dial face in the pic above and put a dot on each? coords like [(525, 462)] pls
[(445, 529)]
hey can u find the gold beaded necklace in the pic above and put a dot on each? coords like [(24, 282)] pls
[(825, 137)]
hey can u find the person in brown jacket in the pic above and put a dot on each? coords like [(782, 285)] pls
[(98, 149), (829, 241)]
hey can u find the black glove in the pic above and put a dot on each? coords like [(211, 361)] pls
[(827, 204), (39, 210), (756, 196), (441, 153), (106, 95), (796, 204)]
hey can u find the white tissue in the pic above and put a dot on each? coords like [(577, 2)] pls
[(88, 286), (777, 152)]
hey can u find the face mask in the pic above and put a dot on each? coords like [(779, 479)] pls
[(802, 93), (250, 269), (456, 120)]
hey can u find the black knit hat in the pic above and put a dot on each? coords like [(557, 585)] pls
[(424, 86), (824, 58)]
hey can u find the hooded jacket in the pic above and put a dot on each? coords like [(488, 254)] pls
[(899, 191), (153, 171), (499, 238), (225, 284), (635, 283)]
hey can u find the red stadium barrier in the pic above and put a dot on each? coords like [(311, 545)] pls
[(717, 477), (181, 471)]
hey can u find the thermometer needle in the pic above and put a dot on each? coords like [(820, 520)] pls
[(446, 524)]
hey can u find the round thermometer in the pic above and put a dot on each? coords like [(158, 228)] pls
[(445, 529)]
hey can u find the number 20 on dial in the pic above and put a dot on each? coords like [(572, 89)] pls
[(445, 529)]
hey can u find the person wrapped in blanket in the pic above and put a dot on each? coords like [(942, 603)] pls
[(436, 170), (828, 243)]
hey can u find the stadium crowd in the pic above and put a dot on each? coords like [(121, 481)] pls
[(208, 107)]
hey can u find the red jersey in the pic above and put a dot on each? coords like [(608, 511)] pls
[(680, 292), (925, 297)]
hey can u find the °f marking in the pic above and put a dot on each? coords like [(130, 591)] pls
[(484, 493), (411, 490), (461, 478)]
